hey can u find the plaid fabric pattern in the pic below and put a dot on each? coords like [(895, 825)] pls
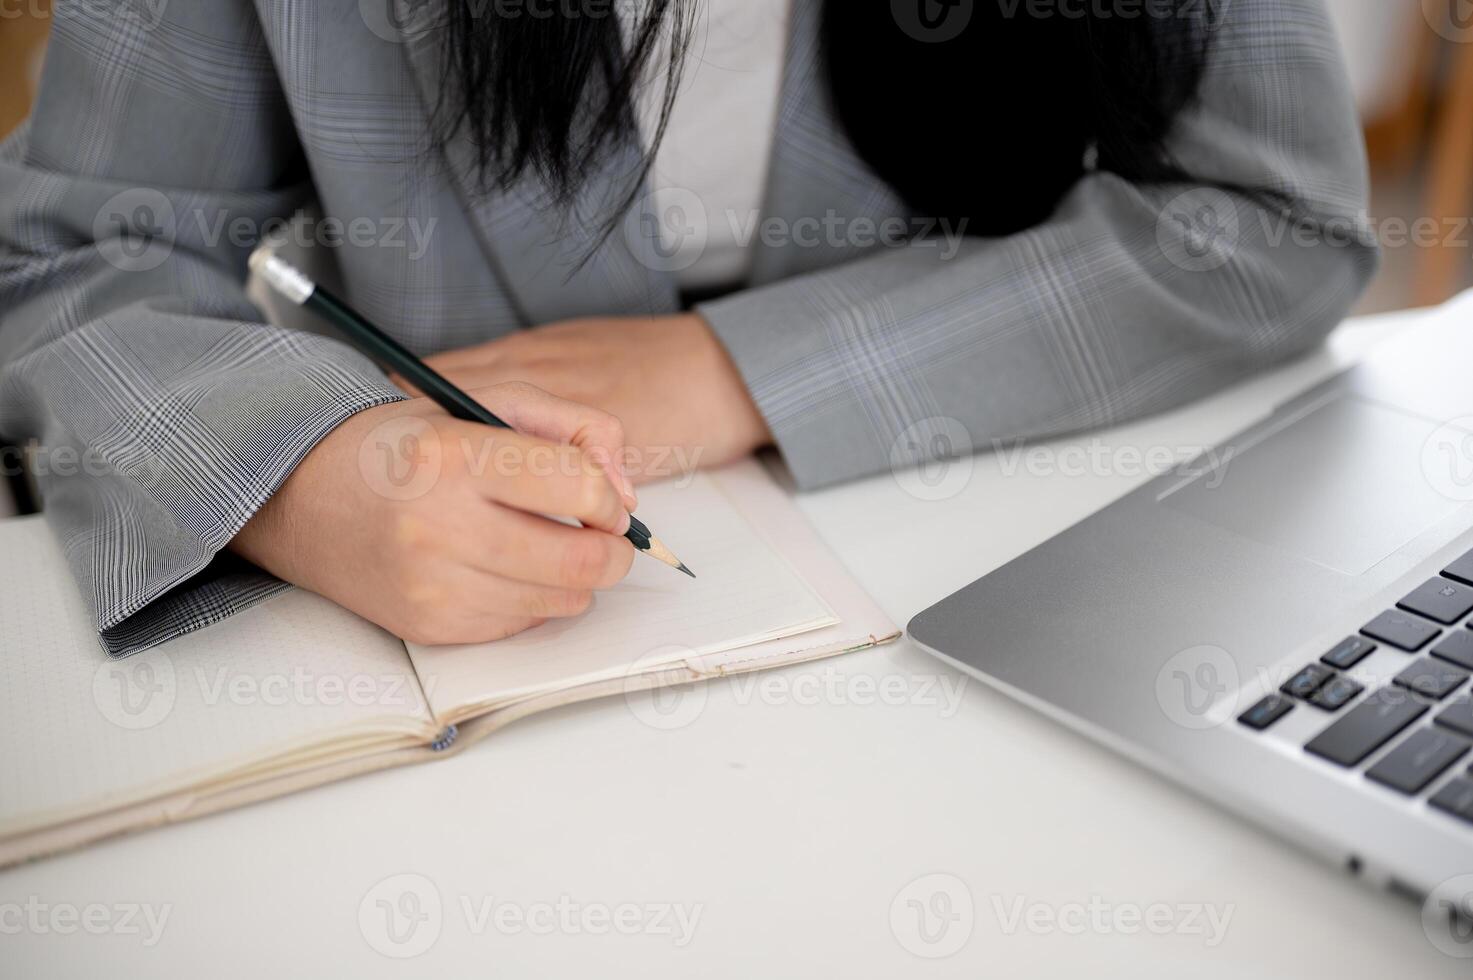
[(167, 138)]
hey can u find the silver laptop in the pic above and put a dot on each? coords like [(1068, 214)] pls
[(1285, 629)]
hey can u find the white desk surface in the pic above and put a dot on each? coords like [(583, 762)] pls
[(794, 817)]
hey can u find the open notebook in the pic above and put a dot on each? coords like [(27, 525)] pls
[(297, 691)]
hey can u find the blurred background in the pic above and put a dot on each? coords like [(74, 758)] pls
[(1411, 66)]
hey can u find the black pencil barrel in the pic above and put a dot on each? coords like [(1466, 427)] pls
[(388, 351)]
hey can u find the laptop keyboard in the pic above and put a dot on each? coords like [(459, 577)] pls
[(1426, 710)]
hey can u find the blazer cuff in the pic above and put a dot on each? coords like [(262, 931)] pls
[(191, 581), (782, 341), (225, 587), (180, 460)]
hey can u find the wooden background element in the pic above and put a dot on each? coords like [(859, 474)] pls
[(23, 28)]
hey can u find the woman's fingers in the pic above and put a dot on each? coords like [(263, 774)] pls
[(534, 549), (465, 627), (455, 593), (535, 412), (534, 475), (457, 554)]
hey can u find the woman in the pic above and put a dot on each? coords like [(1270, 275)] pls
[(860, 232)]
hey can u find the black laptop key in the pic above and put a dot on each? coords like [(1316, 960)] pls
[(1458, 716), (1268, 710), (1401, 630), (1352, 650), (1434, 678), (1423, 757), (1307, 681), (1336, 693), (1456, 798), (1368, 726), (1456, 647), (1462, 569), (1439, 599)]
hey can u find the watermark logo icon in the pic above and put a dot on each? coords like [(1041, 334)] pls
[(400, 458), (667, 229), (137, 692), (134, 229), (932, 459), (1194, 686), (1447, 459), (1198, 231), (664, 707), (932, 21), (401, 916), (397, 21), (1447, 917), (1452, 19), (933, 916)]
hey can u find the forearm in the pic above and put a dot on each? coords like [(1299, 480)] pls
[(1063, 329), (1128, 299)]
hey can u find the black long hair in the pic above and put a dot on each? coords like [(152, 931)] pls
[(984, 110)]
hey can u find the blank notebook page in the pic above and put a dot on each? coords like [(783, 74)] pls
[(80, 732), (745, 592)]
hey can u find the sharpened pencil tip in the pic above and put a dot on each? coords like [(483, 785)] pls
[(658, 550)]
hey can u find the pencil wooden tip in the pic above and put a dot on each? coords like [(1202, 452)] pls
[(658, 550)]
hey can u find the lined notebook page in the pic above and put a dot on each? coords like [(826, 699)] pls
[(80, 733), (745, 592)]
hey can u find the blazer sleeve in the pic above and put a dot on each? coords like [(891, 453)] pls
[(163, 412), (1132, 298)]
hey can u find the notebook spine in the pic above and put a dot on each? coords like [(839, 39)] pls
[(444, 740)]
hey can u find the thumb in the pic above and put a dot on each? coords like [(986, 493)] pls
[(534, 412)]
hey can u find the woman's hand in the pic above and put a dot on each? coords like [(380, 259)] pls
[(668, 379), (430, 526)]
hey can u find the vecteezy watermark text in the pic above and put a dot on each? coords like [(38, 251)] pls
[(137, 228), (669, 708), (39, 917), (1101, 917), (403, 915), (668, 230), (403, 458), (1096, 458), (145, 14)]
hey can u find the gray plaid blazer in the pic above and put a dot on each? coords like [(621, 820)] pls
[(167, 136)]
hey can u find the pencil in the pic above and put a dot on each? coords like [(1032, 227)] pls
[(295, 286)]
